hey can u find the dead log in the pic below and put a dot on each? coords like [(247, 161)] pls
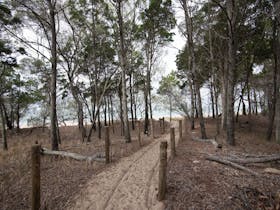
[(262, 159), (272, 171), (212, 141), (234, 165), (74, 156)]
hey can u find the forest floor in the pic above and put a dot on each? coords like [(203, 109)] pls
[(196, 183), (61, 179), (130, 181)]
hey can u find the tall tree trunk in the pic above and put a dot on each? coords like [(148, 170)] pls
[(192, 106), (123, 60), (224, 93), (277, 120), (3, 128), (112, 113), (231, 13), (99, 124), (7, 120), (54, 137), (200, 114), (255, 102), (146, 123), (271, 92), (105, 112), (131, 101), (80, 111), (211, 87), (18, 118), (189, 32), (109, 111), (121, 111)]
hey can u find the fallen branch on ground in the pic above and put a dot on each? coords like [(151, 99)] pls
[(262, 159), (234, 165), (212, 141), (74, 156), (272, 171)]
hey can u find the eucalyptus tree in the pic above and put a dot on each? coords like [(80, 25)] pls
[(193, 62), (154, 32), (44, 14), (8, 61), (277, 66)]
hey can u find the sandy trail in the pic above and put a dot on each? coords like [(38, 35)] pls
[(131, 183)]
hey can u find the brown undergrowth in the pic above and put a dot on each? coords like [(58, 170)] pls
[(196, 183), (61, 179)]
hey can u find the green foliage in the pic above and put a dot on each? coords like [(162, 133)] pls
[(168, 84), (158, 20)]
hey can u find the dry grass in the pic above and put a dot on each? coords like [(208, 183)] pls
[(61, 179)]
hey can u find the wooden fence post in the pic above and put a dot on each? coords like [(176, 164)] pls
[(162, 170), (35, 175), (107, 144), (139, 133), (180, 130), (185, 126), (172, 142), (152, 128), (163, 126)]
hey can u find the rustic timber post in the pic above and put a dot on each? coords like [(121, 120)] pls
[(162, 170), (107, 144), (152, 128), (163, 126), (180, 130), (139, 133), (172, 142), (35, 175), (185, 126)]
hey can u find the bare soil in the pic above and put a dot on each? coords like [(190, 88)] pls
[(61, 179), (196, 183)]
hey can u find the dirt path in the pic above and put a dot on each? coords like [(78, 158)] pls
[(129, 184)]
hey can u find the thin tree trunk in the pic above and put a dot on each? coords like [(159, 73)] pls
[(255, 102), (224, 94), (123, 60), (3, 129), (121, 112), (105, 111), (212, 99), (146, 123), (112, 113), (109, 111), (277, 120), (54, 137), (192, 107), (189, 32), (7, 120), (18, 118), (131, 101), (99, 124), (200, 114)]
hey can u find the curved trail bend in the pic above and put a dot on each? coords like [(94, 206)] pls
[(131, 183)]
